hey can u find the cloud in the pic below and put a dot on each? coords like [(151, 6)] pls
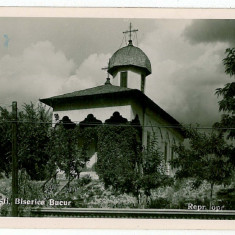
[(186, 58), (185, 75), (88, 74), (76, 37), (42, 71), (210, 31), (39, 71)]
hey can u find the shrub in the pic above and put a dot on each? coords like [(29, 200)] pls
[(226, 197), (159, 203)]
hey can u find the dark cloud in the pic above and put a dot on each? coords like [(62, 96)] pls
[(211, 31), (185, 75)]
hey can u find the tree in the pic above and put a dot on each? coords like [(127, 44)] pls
[(33, 126), (126, 165), (68, 150), (118, 157), (227, 104), (210, 157), (41, 148), (33, 136), (207, 158), (5, 141), (154, 174)]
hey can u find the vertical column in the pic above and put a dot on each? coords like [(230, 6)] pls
[(142, 86), (14, 160)]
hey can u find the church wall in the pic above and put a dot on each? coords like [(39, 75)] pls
[(101, 108), (166, 136), (104, 109), (151, 118), (101, 113)]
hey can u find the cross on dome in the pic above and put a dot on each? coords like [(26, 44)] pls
[(106, 68), (130, 31), (107, 79)]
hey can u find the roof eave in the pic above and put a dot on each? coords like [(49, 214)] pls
[(47, 101), (55, 100), (112, 69)]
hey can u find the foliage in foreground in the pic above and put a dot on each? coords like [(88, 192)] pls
[(154, 168), (96, 195), (28, 189), (208, 158), (118, 157), (33, 128), (182, 194), (68, 151), (227, 103), (126, 165)]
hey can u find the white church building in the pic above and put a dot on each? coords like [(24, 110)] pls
[(122, 98)]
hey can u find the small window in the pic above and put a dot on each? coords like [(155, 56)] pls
[(165, 152), (123, 79)]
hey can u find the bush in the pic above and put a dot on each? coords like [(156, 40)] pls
[(84, 180), (226, 197), (179, 195), (185, 193), (94, 195), (159, 203)]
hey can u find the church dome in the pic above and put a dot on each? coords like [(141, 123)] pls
[(129, 56)]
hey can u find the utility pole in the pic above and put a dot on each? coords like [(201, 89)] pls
[(14, 160)]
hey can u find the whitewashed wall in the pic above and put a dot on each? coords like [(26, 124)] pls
[(102, 113)]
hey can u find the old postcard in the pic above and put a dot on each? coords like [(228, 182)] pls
[(117, 113)]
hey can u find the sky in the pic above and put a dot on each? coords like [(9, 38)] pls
[(43, 57)]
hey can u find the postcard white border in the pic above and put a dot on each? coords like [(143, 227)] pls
[(123, 3), (97, 223), (121, 224), (120, 12)]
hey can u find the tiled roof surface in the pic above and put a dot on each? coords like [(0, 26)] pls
[(104, 89), (130, 55), (94, 91)]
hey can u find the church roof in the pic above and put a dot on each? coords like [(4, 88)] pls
[(110, 91), (129, 56), (99, 90)]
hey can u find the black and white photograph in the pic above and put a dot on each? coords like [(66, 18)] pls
[(117, 118)]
